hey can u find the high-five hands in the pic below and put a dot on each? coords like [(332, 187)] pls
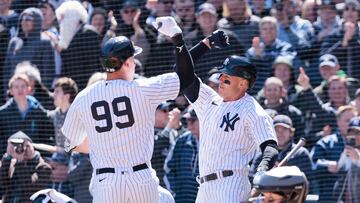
[(167, 26), (219, 39)]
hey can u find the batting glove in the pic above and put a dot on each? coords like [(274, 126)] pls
[(167, 26), (218, 39)]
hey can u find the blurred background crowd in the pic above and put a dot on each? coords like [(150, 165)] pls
[(307, 53)]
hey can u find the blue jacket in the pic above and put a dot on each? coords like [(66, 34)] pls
[(328, 148), (184, 167), (34, 123)]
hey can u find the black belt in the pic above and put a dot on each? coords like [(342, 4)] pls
[(214, 176), (112, 170)]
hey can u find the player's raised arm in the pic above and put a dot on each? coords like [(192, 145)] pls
[(184, 64)]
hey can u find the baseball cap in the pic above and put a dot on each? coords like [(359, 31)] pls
[(61, 158), (283, 120), (130, 4), (20, 135), (352, 3), (328, 60), (166, 105), (189, 113), (354, 123), (51, 3), (284, 60), (328, 4), (206, 7)]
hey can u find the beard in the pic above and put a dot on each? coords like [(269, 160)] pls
[(68, 29)]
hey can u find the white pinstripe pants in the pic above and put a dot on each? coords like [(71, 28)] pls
[(233, 189), (129, 187)]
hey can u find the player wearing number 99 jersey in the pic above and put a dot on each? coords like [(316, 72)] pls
[(113, 120)]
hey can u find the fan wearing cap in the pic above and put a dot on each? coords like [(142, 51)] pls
[(182, 163), (131, 27), (23, 170), (206, 18), (232, 126), (344, 43), (352, 156), (285, 132)]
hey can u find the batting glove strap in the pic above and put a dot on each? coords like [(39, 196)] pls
[(167, 26)]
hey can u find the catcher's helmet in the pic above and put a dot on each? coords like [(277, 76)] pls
[(239, 66), (288, 181), (115, 52)]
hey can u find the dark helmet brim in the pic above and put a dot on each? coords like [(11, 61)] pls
[(138, 50)]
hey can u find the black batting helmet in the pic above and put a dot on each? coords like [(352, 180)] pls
[(239, 66), (115, 52), (287, 181)]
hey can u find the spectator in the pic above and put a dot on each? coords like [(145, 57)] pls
[(167, 128), (80, 176), (284, 70), (59, 174), (4, 40), (23, 170), (265, 49), (129, 26), (347, 187), (28, 39), (185, 12), (64, 94), (319, 119), (95, 78), (338, 92), (291, 27), (218, 4), (327, 23), (356, 101), (327, 151), (241, 22), (38, 89), (80, 58), (206, 25), (344, 43), (309, 10), (259, 8), (9, 17), (50, 30), (183, 161), (285, 131), (23, 112), (104, 23), (328, 67), (274, 99)]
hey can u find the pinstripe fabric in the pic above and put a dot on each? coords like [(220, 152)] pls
[(230, 134), (124, 147), (117, 116)]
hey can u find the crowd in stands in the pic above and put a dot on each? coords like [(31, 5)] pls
[(307, 54)]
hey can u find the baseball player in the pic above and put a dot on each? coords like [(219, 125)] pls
[(232, 126), (113, 120)]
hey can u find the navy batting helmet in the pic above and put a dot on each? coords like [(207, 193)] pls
[(115, 52), (241, 67), (287, 181)]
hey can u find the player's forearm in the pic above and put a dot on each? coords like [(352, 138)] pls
[(184, 64), (199, 50), (269, 154)]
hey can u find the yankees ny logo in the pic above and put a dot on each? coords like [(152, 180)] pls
[(229, 122)]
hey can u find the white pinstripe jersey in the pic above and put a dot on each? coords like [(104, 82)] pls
[(230, 132), (118, 118)]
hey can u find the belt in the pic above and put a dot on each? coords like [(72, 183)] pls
[(112, 170), (214, 176)]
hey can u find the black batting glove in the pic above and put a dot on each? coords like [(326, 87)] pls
[(218, 39)]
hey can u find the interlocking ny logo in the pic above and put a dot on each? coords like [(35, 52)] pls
[(229, 122)]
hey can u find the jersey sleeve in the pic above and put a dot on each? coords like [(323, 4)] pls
[(206, 96), (161, 88), (73, 128), (262, 128)]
